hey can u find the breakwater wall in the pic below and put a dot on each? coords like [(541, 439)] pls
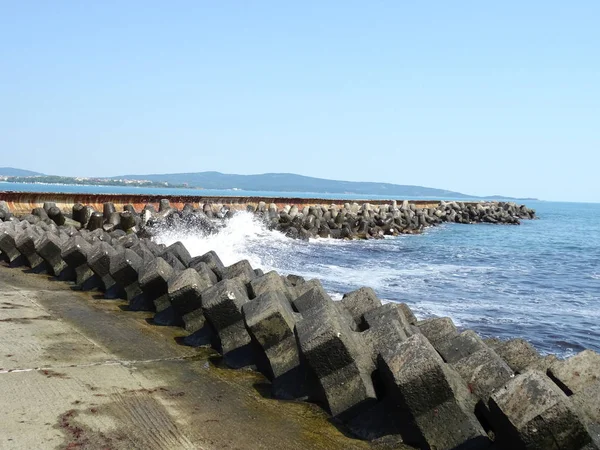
[(375, 368), (297, 218)]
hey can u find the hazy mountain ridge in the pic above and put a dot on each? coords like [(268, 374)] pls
[(269, 182), (12, 172)]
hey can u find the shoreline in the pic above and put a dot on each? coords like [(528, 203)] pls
[(366, 363)]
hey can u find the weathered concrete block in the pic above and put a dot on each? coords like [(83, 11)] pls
[(484, 371), (8, 247), (460, 346), (25, 243), (518, 354), (241, 269), (269, 282), (185, 291), (438, 330), (125, 268), (178, 250), (386, 313), (173, 261), (50, 249), (99, 262), (531, 412), (340, 360), (75, 253), (360, 302), (410, 316), (154, 282), (270, 320), (575, 373), (202, 268), (212, 260), (384, 337), (433, 397), (222, 306)]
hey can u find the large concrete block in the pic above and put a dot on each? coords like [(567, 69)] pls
[(575, 373), (518, 354), (26, 244), (99, 262), (410, 316), (269, 282), (531, 412), (386, 313), (154, 282), (178, 250), (185, 291), (314, 297), (438, 330), (434, 399), (384, 337), (50, 249), (270, 320), (8, 247), (75, 253), (212, 260), (484, 371), (461, 346), (241, 269), (125, 268), (202, 268), (360, 302), (340, 360), (222, 306)]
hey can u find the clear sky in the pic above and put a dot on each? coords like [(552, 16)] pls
[(477, 97)]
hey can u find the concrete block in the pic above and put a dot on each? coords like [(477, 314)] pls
[(212, 260), (50, 249), (575, 373), (178, 250), (460, 346), (387, 312), (270, 321), (25, 243), (185, 291), (8, 247), (438, 330), (202, 268), (518, 354), (531, 412), (154, 281), (484, 371), (222, 306), (339, 359), (99, 262), (269, 282), (75, 253), (360, 302), (125, 268), (433, 397), (241, 269)]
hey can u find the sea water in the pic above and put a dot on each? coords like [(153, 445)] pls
[(539, 281)]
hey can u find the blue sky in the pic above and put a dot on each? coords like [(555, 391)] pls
[(477, 97)]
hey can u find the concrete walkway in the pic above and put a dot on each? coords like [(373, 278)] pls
[(81, 373)]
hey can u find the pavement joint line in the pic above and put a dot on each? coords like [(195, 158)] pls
[(124, 363)]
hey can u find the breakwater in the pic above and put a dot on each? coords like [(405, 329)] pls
[(372, 366), (296, 218)]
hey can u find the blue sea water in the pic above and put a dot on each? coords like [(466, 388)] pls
[(539, 281)]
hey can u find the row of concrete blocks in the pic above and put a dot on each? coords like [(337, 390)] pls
[(373, 366)]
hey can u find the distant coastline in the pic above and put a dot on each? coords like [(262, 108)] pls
[(268, 182)]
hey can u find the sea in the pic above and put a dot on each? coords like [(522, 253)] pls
[(539, 281)]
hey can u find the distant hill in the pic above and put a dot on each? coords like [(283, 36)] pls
[(289, 182), (12, 172)]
